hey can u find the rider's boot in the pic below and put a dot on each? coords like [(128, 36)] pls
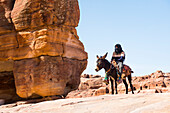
[(119, 78), (106, 80)]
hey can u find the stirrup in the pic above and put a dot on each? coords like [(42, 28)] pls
[(119, 81)]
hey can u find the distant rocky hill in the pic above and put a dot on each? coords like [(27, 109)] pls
[(92, 85)]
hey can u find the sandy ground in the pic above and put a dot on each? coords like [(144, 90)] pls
[(138, 103)]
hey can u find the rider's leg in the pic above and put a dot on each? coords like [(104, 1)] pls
[(106, 77), (120, 64), (112, 66)]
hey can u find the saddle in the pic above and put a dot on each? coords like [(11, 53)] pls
[(126, 68)]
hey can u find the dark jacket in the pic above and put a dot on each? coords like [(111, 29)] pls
[(118, 57)]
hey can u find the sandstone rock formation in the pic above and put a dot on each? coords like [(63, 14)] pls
[(7, 42), (40, 45), (92, 85)]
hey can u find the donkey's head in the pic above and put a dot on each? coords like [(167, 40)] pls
[(101, 62)]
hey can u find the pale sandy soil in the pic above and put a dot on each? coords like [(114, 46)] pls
[(138, 103)]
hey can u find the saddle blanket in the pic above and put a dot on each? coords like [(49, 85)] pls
[(126, 67)]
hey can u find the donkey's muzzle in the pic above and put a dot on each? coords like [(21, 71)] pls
[(97, 69)]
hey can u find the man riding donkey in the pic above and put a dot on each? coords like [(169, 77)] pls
[(118, 57)]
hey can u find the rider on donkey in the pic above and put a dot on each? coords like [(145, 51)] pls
[(119, 57)]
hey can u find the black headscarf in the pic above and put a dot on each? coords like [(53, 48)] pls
[(118, 50)]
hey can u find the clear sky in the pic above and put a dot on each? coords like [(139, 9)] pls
[(142, 27)]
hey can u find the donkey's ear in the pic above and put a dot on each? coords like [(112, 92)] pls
[(97, 57), (105, 55)]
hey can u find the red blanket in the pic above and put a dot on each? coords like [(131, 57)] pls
[(126, 67)]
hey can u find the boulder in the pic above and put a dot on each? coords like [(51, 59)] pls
[(91, 83), (101, 91)]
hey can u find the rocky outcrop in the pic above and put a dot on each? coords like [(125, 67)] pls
[(155, 81), (39, 43), (44, 28), (92, 85), (47, 75)]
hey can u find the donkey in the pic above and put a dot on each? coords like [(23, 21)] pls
[(112, 73)]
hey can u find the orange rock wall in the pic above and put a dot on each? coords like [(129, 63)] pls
[(39, 43)]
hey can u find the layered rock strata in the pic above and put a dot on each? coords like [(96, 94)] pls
[(39, 43)]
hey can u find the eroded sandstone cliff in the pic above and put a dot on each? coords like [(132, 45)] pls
[(40, 45)]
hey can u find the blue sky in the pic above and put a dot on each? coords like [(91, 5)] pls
[(142, 27)]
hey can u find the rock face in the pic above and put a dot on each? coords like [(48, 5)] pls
[(39, 43), (6, 25), (47, 75)]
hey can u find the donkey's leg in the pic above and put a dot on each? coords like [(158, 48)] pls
[(130, 81), (116, 85), (111, 80), (126, 85)]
